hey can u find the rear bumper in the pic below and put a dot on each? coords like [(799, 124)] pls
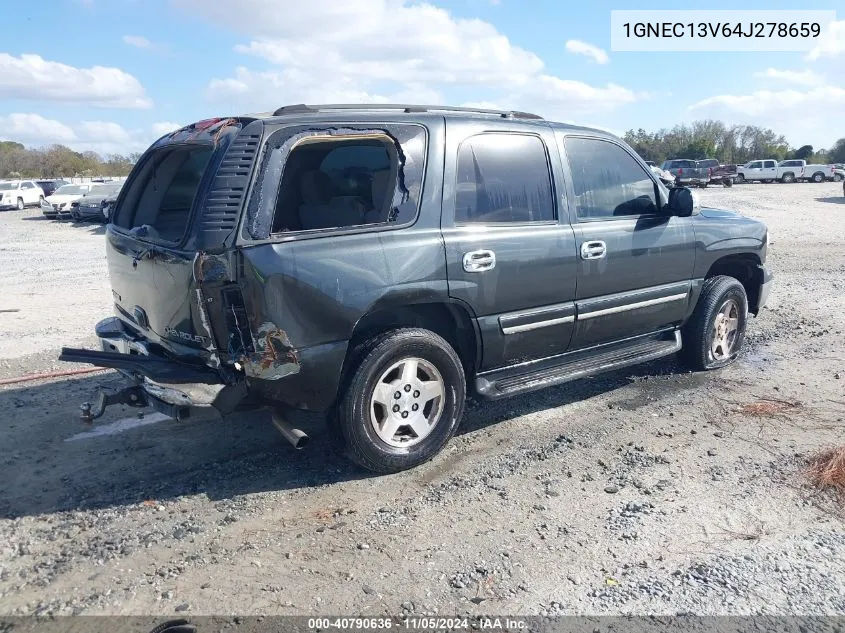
[(165, 384)]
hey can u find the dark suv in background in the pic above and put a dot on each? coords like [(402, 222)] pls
[(379, 262)]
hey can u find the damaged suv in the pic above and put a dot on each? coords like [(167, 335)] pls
[(379, 263)]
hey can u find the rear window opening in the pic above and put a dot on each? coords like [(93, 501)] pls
[(342, 182), (159, 199)]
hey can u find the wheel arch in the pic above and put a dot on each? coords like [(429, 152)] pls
[(745, 268), (449, 319)]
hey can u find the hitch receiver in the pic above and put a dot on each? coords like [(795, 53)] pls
[(133, 396)]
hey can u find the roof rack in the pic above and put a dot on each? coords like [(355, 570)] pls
[(302, 108)]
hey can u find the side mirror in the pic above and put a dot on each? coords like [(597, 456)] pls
[(683, 202)]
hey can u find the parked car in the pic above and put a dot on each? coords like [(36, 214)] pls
[(838, 172), (17, 194), (724, 175), (760, 170), (377, 262), (792, 170), (59, 205), (49, 186), (97, 204), (686, 172)]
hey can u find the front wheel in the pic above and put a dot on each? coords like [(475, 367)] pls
[(714, 334), (403, 402)]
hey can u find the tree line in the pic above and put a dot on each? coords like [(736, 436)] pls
[(729, 144), (54, 161)]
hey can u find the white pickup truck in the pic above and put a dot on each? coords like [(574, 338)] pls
[(769, 170)]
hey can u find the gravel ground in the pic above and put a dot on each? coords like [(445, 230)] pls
[(648, 490)]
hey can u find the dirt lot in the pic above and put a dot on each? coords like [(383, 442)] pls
[(648, 490)]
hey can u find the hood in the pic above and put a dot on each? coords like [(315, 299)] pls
[(54, 199), (734, 222)]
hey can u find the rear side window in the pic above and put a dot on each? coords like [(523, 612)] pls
[(679, 164), (342, 182), (503, 178), (158, 202), (608, 182), (337, 178)]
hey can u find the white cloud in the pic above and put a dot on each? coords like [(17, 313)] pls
[(805, 77), (138, 41), (385, 50), (33, 129), (831, 42), (160, 129), (31, 77), (103, 137), (578, 47), (799, 115)]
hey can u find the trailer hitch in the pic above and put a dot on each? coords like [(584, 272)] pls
[(133, 396)]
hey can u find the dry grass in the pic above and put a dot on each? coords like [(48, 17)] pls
[(827, 469), (767, 408)]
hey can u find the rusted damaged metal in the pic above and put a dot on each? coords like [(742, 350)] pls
[(274, 356)]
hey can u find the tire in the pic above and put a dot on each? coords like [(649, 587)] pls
[(788, 177), (838, 178), (818, 177), (20, 204), (720, 295), (768, 181), (703, 185), (728, 182), (382, 361), (740, 178)]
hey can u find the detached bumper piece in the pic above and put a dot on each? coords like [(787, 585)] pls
[(168, 386)]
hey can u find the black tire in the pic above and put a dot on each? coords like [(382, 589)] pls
[(698, 334), (838, 178), (703, 185), (373, 358), (740, 178), (818, 177), (728, 182), (787, 178), (20, 204)]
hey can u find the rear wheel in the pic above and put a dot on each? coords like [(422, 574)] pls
[(20, 204), (838, 177), (818, 177), (790, 177), (740, 178), (714, 334), (403, 402)]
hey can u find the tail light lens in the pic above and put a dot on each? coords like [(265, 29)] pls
[(680, 170)]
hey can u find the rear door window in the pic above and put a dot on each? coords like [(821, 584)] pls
[(503, 178), (159, 200)]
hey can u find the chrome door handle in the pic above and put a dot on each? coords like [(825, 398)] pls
[(479, 261), (593, 250)]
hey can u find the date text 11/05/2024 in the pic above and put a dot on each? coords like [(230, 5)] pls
[(722, 29), (421, 623)]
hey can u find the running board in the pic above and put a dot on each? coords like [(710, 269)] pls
[(511, 381)]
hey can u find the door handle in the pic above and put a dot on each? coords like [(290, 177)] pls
[(593, 250), (479, 261)]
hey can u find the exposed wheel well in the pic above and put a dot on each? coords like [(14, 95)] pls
[(449, 320), (744, 268)]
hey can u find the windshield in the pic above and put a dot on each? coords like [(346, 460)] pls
[(71, 190), (5, 186)]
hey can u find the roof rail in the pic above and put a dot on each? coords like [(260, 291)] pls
[(302, 108)]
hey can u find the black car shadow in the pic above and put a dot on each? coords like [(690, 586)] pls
[(832, 199), (54, 462)]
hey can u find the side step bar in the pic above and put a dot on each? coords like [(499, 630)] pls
[(580, 364), (158, 369)]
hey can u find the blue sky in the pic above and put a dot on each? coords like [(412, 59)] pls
[(112, 75)]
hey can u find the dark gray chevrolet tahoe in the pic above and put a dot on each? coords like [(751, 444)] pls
[(379, 262)]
